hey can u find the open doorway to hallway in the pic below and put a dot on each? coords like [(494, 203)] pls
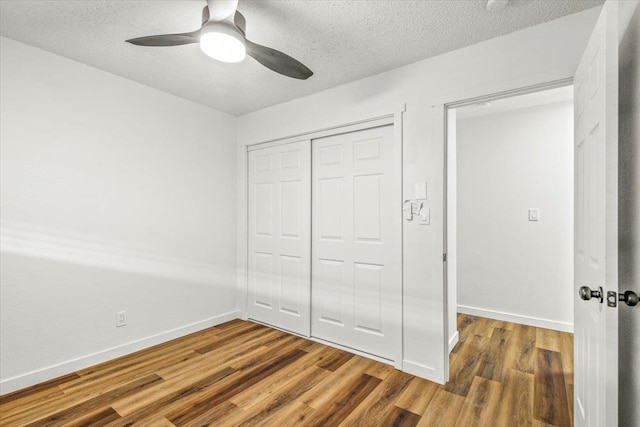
[(513, 202), (510, 251)]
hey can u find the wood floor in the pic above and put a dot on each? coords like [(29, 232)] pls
[(241, 373)]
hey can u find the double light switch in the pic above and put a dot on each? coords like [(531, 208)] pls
[(417, 206)]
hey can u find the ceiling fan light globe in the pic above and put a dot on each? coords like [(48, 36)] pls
[(223, 42)]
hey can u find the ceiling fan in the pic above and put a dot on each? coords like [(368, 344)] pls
[(223, 37)]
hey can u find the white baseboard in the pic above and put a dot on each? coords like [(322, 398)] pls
[(517, 318), (453, 340), (50, 372)]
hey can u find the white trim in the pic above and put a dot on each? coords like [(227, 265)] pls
[(242, 259), (335, 130), (335, 127), (445, 243), (423, 371), (517, 318), (511, 93), (52, 244), (50, 372), (399, 173), (454, 340)]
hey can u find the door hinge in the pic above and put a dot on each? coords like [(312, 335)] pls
[(444, 257)]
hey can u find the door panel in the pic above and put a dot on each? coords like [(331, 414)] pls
[(356, 246), (291, 285), (367, 284), (329, 291), (264, 277), (263, 209), (329, 208), (280, 236), (367, 207), (596, 233)]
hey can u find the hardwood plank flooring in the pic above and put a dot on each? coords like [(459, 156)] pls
[(243, 374)]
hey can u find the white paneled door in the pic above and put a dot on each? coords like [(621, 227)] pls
[(280, 236), (596, 226), (356, 241)]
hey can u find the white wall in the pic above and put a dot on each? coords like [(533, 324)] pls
[(510, 268), (115, 197), (535, 55), (629, 215)]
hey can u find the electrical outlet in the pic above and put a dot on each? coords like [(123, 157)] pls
[(121, 318)]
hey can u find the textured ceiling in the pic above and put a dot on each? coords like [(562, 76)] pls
[(341, 41), (529, 100)]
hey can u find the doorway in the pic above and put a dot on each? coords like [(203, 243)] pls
[(510, 209)]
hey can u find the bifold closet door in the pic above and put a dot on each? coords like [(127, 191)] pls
[(279, 236), (356, 241)]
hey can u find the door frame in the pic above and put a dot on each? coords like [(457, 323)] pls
[(394, 118), (553, 84)]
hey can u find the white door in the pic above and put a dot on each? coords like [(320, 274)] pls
[(596, 224), (280, 236), (356, 249)]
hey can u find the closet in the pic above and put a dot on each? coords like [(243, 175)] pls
[(325, 230)]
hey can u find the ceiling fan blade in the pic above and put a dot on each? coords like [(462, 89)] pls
[(205, 15), (167, 39), (240, 22), (221, 9), (278, 61)]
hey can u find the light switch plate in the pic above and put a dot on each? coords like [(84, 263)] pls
[(421, 190), (534, 214), (425, 216)]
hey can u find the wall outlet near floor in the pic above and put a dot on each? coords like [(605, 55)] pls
[(121, 318)]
